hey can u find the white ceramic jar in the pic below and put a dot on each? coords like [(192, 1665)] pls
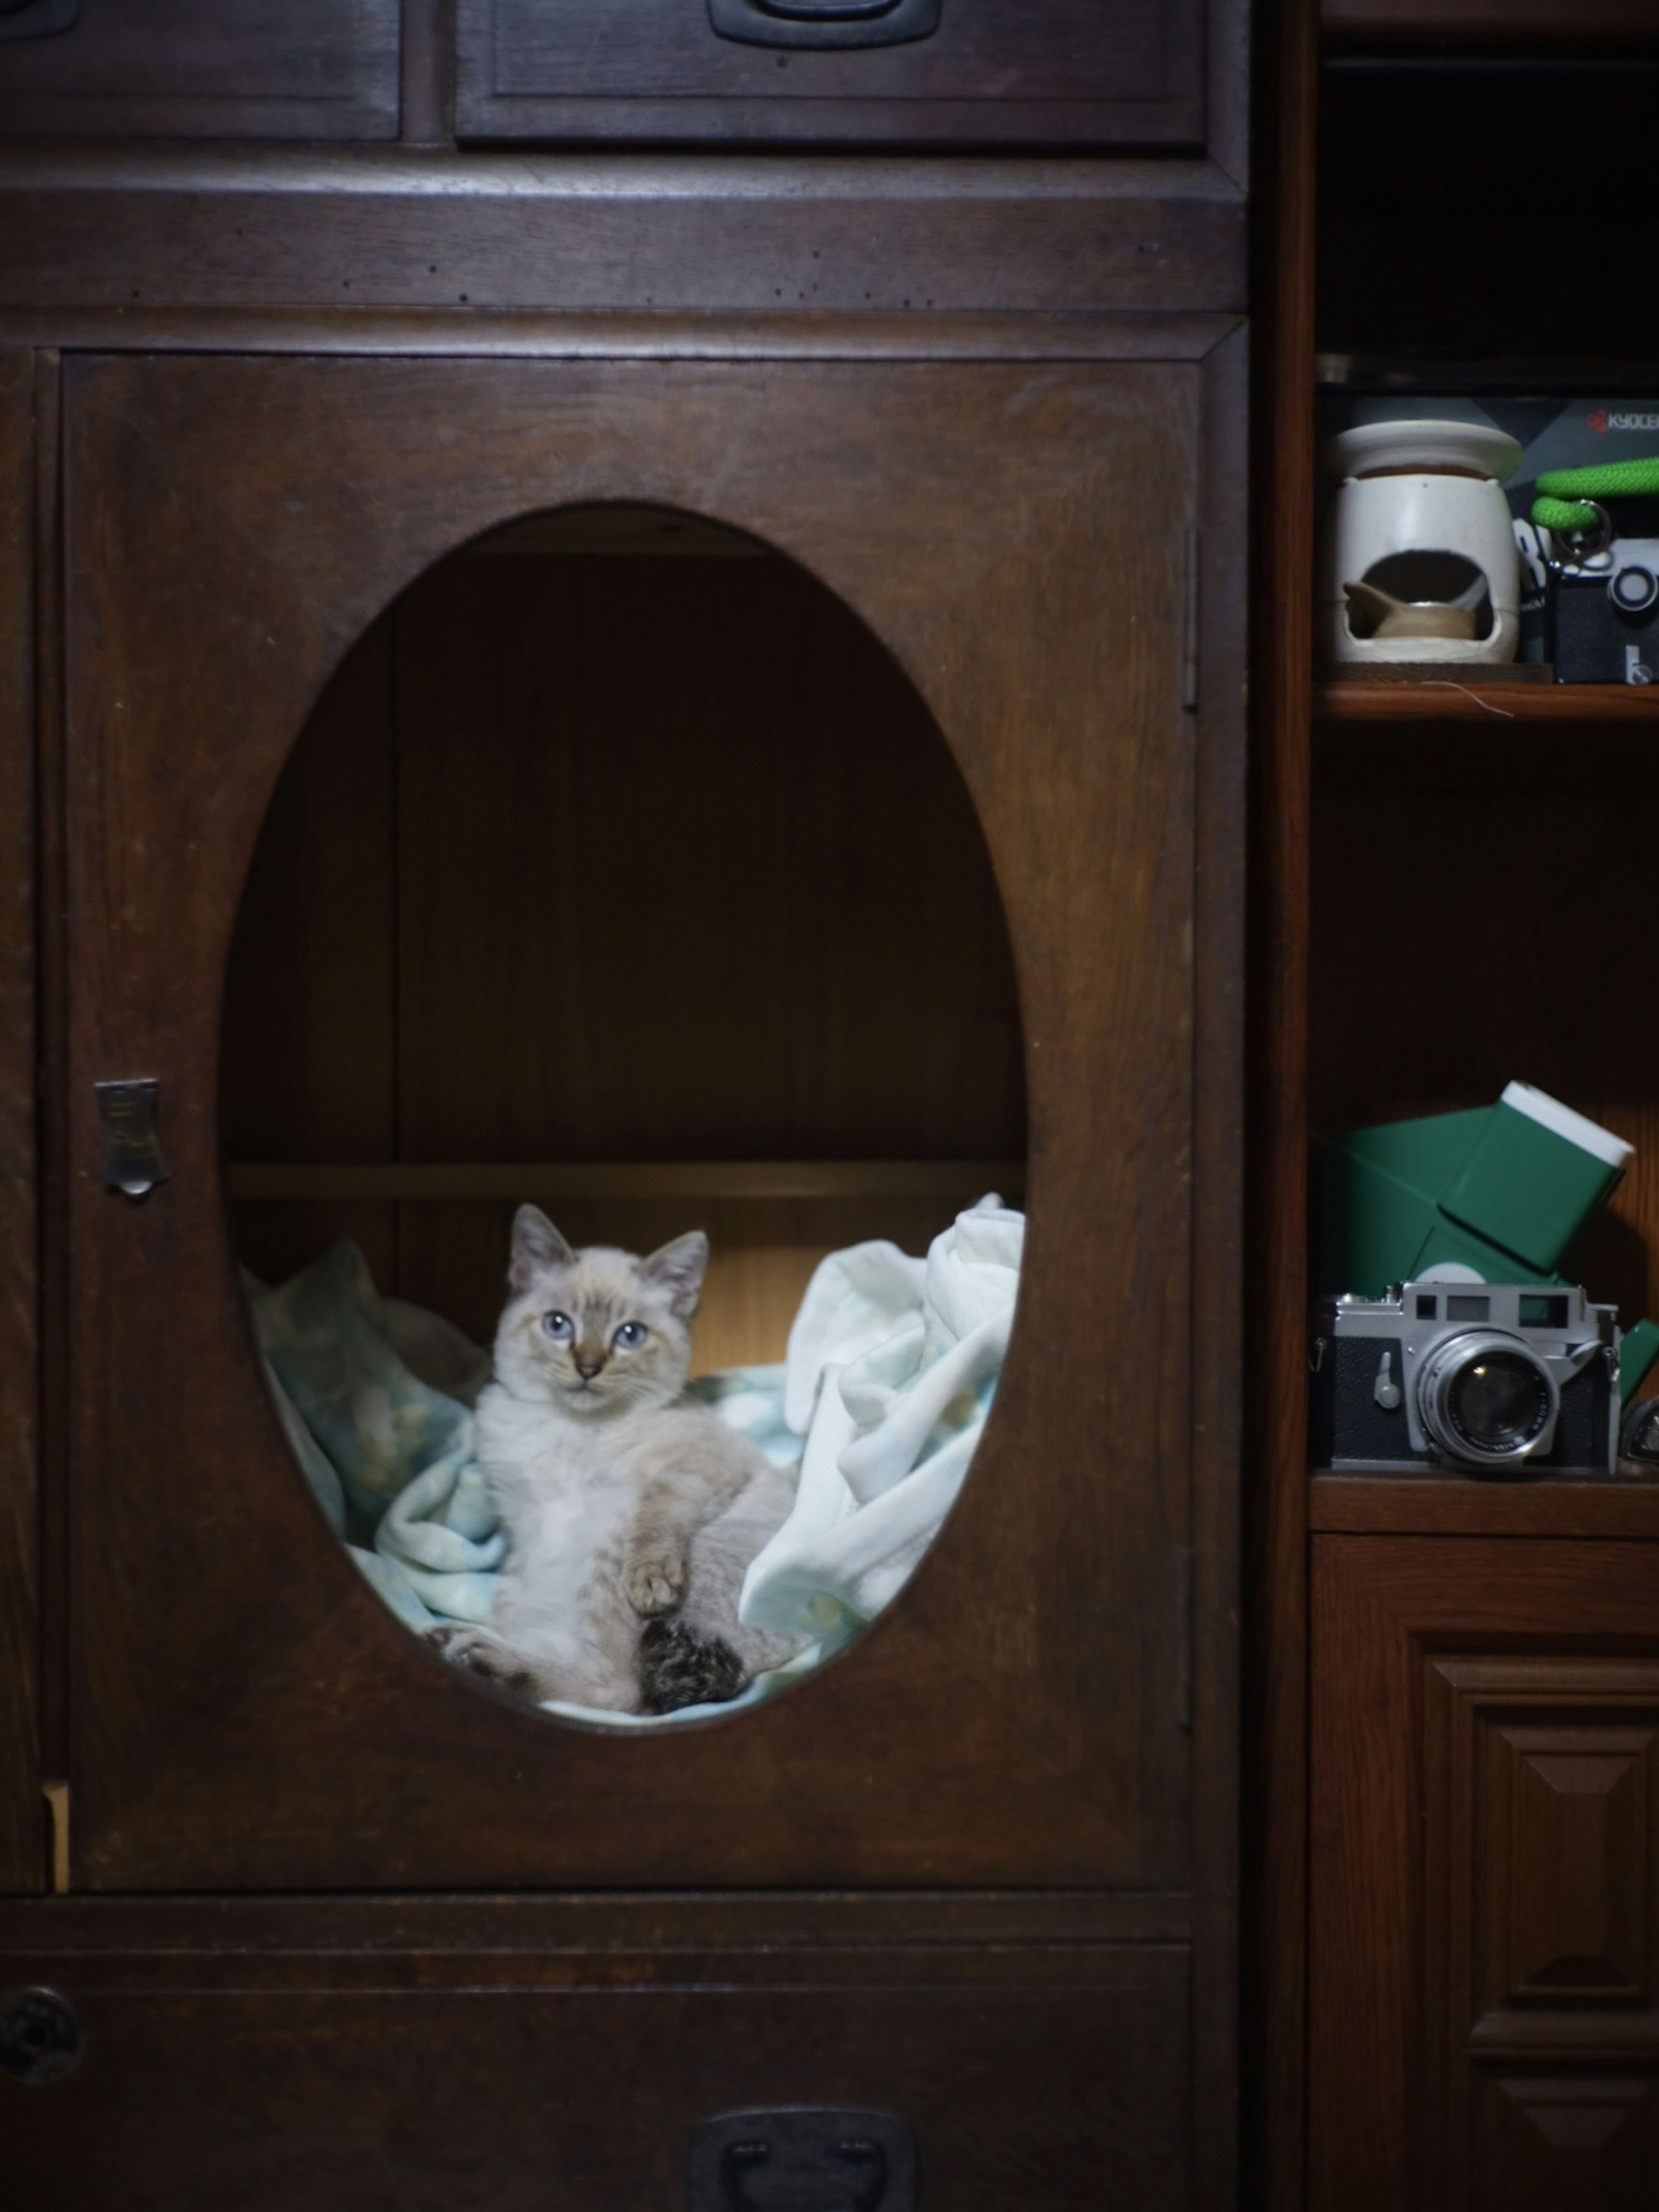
[(1420, 514)]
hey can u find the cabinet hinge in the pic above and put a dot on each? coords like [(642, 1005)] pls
[(57, 1795), (1189, 634), (1184, 1638)]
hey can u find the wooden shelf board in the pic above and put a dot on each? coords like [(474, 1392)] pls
[(1621, 705), (1460, 1505), (510, 1180)]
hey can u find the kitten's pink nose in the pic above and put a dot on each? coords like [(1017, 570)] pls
[(588, 1364)]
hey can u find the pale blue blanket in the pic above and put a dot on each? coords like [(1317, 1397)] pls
[(876, 1414)]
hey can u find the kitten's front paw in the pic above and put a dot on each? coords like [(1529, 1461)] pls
[(483, 1654), (655, 1583)]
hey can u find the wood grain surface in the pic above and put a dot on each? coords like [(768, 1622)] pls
[(1009, 71), (209, 68), (22, 1855), (1041, 1733), (479, 235), (578, 2075), (1575, 706)]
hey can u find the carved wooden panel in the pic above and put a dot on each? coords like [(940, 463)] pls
[(1541, 1810), (1555, 2142), (1484, 1994)]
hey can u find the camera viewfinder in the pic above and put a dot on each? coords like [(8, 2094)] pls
[(1538, 1310)]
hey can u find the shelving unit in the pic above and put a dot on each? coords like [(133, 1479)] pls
[(1454, 887)]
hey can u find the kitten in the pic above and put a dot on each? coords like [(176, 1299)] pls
[(631, 1513)]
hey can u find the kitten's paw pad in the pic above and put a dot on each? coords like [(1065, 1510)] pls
[(655, 1583)]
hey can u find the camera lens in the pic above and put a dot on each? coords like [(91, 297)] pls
[(1633, 590), (1486, 1398), (1498, 1403)]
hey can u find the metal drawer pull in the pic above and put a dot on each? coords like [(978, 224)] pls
[(40, 2036), (36, 18), (803, 2161), (132, 1156), (825, 23)]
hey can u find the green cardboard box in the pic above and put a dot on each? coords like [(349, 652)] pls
[(1498, 1192)]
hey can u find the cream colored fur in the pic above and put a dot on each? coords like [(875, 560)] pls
[(622, 1501)]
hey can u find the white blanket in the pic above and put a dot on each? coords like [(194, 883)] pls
[(891, 1368)]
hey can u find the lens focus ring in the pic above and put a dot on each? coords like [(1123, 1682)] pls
[(1486, 1398)]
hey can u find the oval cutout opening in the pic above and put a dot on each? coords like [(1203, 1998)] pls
[(620, 891)]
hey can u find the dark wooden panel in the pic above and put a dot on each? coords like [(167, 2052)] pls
[(22, 1832), (308, 1045), (649, 232), (1274, 1590), (1040, 1731), (1487, 22), (665, 892), (1019, 71), (1454, 1682), (208, 68), (1459, 1505), (1026, 2074)]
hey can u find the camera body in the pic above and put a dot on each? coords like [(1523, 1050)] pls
[(1602, 605), (1486, 1377)]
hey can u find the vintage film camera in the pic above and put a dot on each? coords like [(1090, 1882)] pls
[(1601, 603), (1488, 1377)]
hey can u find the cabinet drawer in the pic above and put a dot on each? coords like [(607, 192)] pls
[(292, 2075), (200, 68), (1062, 72)]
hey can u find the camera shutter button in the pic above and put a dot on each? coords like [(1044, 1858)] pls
[(1633, 590)]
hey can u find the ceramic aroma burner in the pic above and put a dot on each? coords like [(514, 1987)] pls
[(1420, 562)]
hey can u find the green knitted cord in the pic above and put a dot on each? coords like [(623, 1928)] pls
[(1564, 506)]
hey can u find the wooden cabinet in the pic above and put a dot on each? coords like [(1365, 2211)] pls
[(1041, 72), (200, 68), (325, 1919), (1485, 1827)]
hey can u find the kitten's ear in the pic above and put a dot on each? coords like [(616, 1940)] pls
[(679, 1267), (537, 1246)]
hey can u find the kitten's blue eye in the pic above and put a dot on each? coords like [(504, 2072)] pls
[(630, 1334), (557, 1326)]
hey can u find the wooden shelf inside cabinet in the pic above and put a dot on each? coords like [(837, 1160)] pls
[(1394, 23), (398, 1180), (1622, 706), (1457, 1505)]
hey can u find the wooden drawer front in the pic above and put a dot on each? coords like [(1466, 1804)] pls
[(202, 68), (524, 2083), (1485, 1991), (1066, 72)]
